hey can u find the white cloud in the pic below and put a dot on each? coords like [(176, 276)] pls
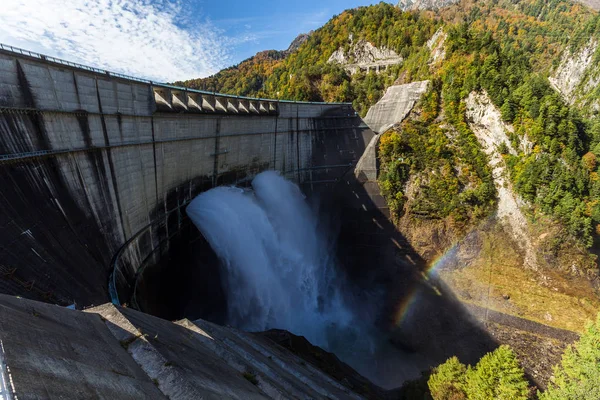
[(144, 38)]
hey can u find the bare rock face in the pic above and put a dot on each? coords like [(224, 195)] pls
[(594, 4), (486, 123), (573, 70), (436, 46), (364, 56), (408, 5), (299, 41)]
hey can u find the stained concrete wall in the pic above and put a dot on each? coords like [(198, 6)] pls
[(89, 159)]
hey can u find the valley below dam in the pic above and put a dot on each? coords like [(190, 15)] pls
[(404, 204), (270, 257)]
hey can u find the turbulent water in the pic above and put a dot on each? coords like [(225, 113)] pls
[(279, 272)]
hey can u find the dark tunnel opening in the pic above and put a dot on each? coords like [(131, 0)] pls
[(185, 282)]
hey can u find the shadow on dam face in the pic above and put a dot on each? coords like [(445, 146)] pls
[(185, 282), (415, 313)]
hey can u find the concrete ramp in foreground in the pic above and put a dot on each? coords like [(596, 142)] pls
[(108, 352)]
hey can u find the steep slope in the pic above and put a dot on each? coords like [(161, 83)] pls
[(493, 177), (118, 353), (492, 133), (437, 4), (363, 56), (394, 106), (573, 70), (425, 4), (360, 40)]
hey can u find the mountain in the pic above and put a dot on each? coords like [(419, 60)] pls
[(594, 4), (247, 77), (491, 171), (296, 43), (407, 5)]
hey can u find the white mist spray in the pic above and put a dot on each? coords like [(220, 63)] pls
[(279, 269)]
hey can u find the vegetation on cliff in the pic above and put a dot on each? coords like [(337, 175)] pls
[(306, 75), (498, 375), (578, 374), (503, 47), (508, 51), (432, 166), (445, 163)]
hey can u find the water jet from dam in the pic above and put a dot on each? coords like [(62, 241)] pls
[(279, 270)]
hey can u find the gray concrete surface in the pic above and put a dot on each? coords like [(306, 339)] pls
[(108, 352), (172, 355), (395, 105), (50, 352), (88, 159), (276, 368), (191, 360)]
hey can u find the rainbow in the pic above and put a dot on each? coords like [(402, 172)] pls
[(402, 310)]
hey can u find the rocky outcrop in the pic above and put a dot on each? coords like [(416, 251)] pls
[(486, 123), (436, 46), (407, 5), (573, 70), (395, 105), (363, 56), (594, 4), (299, 41)]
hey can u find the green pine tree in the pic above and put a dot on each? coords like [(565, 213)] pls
[(577, 377), (497, 376), (448, 381)]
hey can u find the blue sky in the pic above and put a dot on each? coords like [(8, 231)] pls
[(272, 24), (163, 40)]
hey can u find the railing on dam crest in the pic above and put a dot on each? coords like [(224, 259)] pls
[(241, 105)]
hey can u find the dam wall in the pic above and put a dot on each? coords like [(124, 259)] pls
[(91, 161)]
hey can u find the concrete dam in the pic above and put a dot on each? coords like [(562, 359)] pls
[(97, 170), (97, 165)]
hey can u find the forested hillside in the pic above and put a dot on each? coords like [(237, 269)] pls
[(538, 63), (306, 75), (504, 47)]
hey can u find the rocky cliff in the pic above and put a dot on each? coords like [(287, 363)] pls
[(394, 106), (362, 55), (575, 69), (425, 4), (486, 123), (436, 46), (595, 4), (296, 43), (407, 5)]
